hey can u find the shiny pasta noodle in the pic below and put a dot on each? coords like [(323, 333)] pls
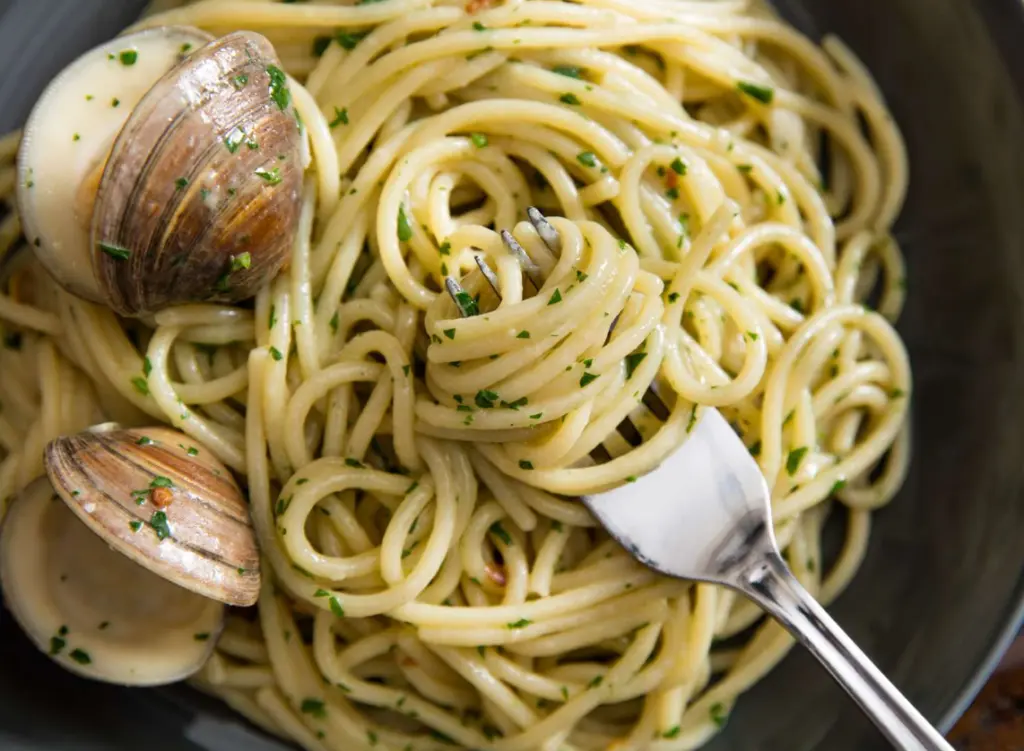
[(724, 190)]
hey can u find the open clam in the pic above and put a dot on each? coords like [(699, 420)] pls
[(165, 502), (182, 159), (90, 608)]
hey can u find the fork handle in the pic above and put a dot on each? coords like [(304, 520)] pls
[(771, 584)]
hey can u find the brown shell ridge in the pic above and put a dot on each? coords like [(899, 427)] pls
[(107, 444)]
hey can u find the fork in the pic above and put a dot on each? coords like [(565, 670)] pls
[(716, 527)]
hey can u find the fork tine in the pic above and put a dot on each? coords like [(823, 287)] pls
[(531, 269), (463, 300), (547, 233), (553, 240), (468, 307), (488, 272)]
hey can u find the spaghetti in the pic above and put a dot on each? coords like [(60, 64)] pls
[(727, 190)]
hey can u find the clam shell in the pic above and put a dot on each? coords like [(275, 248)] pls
[(200, 196), (89, 608), (166, 502)]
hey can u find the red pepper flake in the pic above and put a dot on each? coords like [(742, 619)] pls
[(475, 6), (672, 179), (161, 497)]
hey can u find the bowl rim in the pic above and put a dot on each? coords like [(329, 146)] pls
[(1004, 20)]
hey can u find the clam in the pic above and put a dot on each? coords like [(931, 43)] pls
[(180, 159), (164, 501), (90, 608)]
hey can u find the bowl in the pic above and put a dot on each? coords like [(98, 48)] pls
[(941, 593)]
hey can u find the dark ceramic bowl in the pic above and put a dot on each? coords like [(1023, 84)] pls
[(941, 593)]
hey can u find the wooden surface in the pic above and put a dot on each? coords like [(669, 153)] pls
[(996, 720)]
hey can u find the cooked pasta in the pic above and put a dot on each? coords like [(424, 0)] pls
[(724, 191)]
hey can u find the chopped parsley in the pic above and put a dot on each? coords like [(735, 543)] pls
[(404, 229), (201, 637), (466, 304), (479, 139), (596, 681), (445, 249), (313, 707), (570, 98), (556, 297), (334, 322), (80, 656), (837, 486), (763, 94), (718, 714), (678, 167), (523, 335), (279, 87), (499, 531), (632, 361), (145, 441), (349, 40), (477, 26), (485, 399), (269, 176), (340, 117), (521, 623), (525, 464), (115, 251), (672, 732), (161, 482), (450, 333), (57, 645), (793, 460), (354, 463), (159, 524), (336, 607), (568, 70), (141, 385), (128, 57), (276, 354), (588, 378), (673, 296), (241, 261), (587, 158)]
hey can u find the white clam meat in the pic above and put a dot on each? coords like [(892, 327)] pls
[(67, 139), (92, 609)]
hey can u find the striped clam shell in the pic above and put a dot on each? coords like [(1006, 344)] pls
[(166, 502), (200, 195)]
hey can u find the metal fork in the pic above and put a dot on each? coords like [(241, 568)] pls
[(467, 307), (705, 514)]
